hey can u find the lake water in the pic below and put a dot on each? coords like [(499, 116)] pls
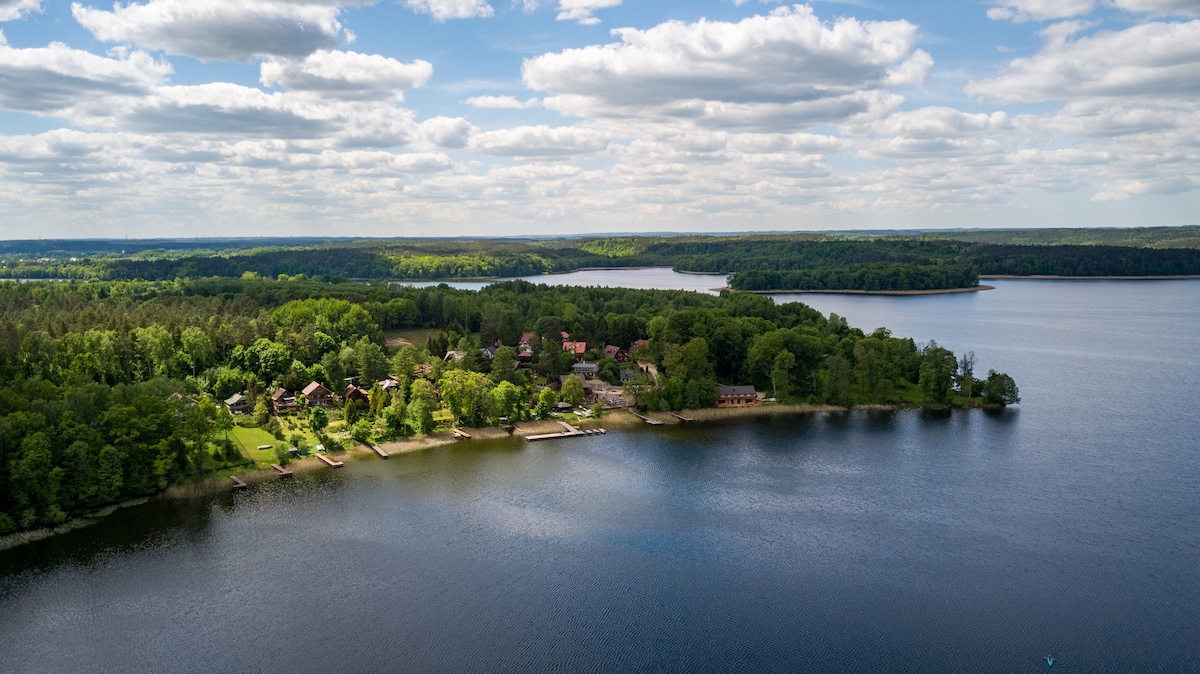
[(646, 278), (860, 542)]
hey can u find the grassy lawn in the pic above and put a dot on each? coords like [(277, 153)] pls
[(417, 336), (250, 439)]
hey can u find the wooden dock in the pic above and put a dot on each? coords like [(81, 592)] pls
[(330, 462), (568, 431), (652, 422), (462, 434), (237, 482), (682, 418), (283, 472), (378, 450)]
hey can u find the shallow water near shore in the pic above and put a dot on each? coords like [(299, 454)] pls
[(861, 541)]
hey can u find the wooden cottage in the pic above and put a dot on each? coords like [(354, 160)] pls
[(737, 396), (283, 401), (317, 395)]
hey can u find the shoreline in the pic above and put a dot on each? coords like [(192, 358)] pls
[(613, 418), (482, 279), (1044, 277), (894, 293)]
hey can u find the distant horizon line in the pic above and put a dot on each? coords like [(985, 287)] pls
[(500, 237)]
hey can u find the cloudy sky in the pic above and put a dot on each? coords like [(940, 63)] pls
[(467, 117)]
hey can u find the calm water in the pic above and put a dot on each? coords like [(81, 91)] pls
[(646, 278), (967, 542)]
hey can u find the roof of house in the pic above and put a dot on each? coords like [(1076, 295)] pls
[(611, 350), (736, 391), (353, 390), (280, 393), (586, 366), (454, 355), (235, 399), (577, 348), (640, 343), (314, 387), (526, 337)]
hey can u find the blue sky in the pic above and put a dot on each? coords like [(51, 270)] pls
[(489, 117)]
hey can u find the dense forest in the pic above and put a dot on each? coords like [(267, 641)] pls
[(828, 263), (1137, 237), (871, 277), (113, 389)]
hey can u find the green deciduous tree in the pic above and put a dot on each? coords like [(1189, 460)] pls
[(572, 390), (1000, 389), (318, 420), (421, 405), (781, 373), (547, 399)]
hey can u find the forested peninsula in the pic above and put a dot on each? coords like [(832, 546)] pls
[(111, 390), (755, 262)]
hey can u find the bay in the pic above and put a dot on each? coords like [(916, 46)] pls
[(905, 541)]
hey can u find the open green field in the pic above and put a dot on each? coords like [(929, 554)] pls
[(418, 336), (250, 439)]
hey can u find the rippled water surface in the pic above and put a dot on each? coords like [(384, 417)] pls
[(966, 542)]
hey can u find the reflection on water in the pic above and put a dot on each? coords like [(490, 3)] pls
[(861, 541), (647, 278)]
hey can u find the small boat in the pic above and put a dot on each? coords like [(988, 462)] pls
[(1049, 661)]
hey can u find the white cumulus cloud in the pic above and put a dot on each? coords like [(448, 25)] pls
[(218, 29), (56, 78), (451, 9), (346, 75), (1019, 11), (502, 102), (1153, 61), (786, 66), (582, 10), (1160, 7), (539, 141), (14, 9)]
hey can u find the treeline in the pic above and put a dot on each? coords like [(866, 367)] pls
[(828, 263), (923, 256), (874, 277), (1082, 260), (1137, 237), (418, 259), (112, 389)]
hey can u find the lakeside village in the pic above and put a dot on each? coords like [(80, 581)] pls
[(601, 380), (118, 390)]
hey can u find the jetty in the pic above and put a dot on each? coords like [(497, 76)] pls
[(330, 462), (568, 431), (378, 450), (283, 472), (462, 435), (682, 418), (237, 482), (652, 422)]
